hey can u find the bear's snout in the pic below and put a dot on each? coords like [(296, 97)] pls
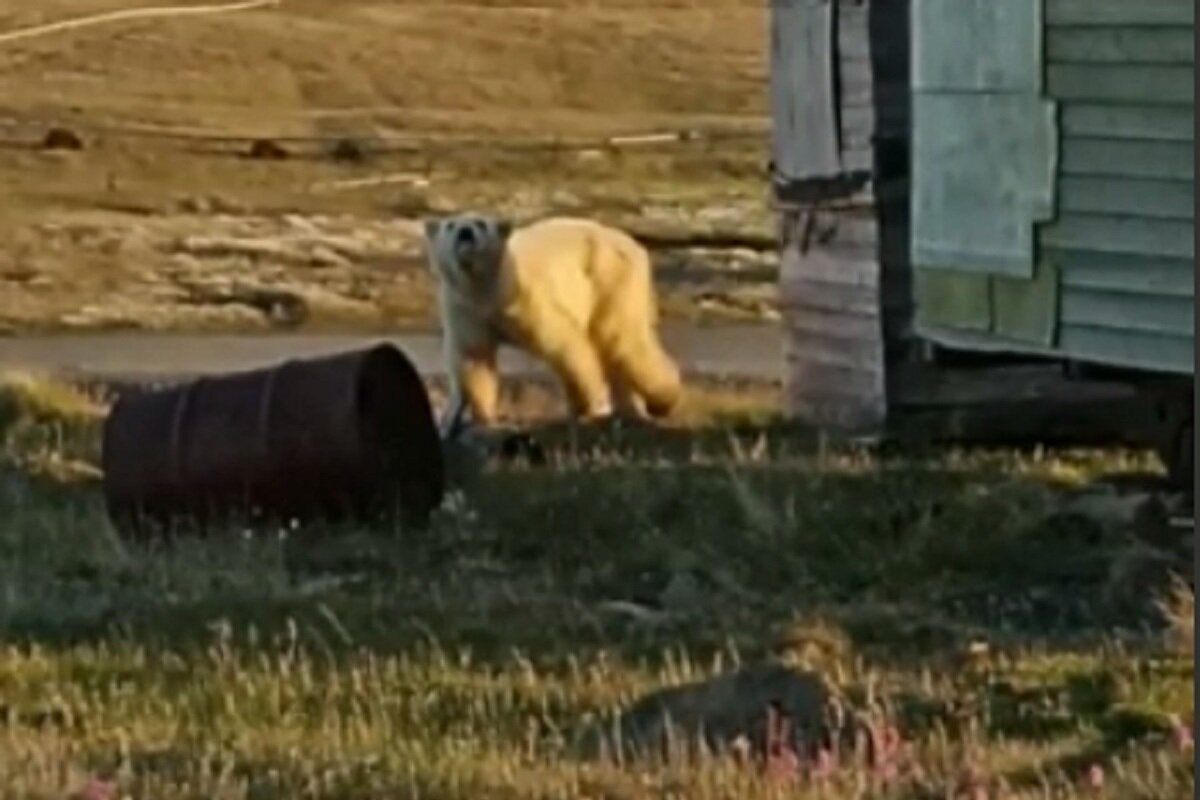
[(465, 245)]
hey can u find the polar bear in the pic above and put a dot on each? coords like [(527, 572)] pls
[(573, 292)]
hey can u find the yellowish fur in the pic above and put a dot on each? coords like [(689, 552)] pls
[(575, 293)]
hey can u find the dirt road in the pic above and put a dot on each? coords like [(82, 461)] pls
[(736, 351)]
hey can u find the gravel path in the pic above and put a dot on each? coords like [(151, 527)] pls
[(737, 351)]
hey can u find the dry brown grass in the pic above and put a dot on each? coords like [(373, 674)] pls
[(308, 64), (317, 68), (1179, 609), (362, 69)]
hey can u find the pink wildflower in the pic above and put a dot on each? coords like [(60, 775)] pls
[(97, 789), (1182, 735), (781, 759), (1094, 778), (888, 752), (824, 765), (973, 785), (783, 764)]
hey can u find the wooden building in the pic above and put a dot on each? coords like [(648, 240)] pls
[(841, 121), (995, 180)]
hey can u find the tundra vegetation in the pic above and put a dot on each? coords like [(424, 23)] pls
[(1008, 641)]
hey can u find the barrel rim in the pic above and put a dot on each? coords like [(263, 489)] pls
[(381, 361)]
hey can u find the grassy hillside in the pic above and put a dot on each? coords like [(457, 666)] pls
[(319, 65), (166, 109)]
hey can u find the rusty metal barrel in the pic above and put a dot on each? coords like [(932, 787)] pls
[(347, 436)]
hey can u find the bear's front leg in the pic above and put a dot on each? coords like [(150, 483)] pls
[(479, 383), (474, 386), (456, 404)]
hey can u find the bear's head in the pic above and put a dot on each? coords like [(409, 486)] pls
[(466, 249)]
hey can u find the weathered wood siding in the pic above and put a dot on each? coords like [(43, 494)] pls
[(1123, 72), (844, 283)]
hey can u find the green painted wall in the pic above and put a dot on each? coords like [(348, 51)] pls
[(1115, 273), (1124, 238)]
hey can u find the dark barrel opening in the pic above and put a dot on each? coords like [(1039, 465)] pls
[(398, 433)]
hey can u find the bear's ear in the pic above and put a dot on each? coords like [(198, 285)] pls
[(432, 228)]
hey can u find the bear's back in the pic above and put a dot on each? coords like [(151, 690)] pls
[(568, 247)]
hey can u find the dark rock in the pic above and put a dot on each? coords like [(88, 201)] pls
[(61, 139), (267, 150), (720, 711)]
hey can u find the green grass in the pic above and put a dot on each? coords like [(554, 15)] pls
[(1013, 649)]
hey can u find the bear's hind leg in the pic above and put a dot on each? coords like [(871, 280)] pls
[(626, 400), (646, 368), (569, 352)]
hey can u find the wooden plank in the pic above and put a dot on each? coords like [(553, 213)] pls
[(1145, 314), (853, 32), (857, 95), (971, 151), (1133, 349), (817, 295), (861, 34), (855, 76), (829, 298), (1126, 349), (856, 267), (841, 355), (1120, 46), (1127, 159), (848, 187), (851, 382), (1106, 233), (845, 330), (1155, 123), (1156, 199), (1087, 269), (858, 127), (859, 159), (976, 45), (887, 118), (839, 231), (803, 92), (1172, 316), (842, 229), (1120, 12), (862, 125), (893, 108), (858, 73), (1145, 85)]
